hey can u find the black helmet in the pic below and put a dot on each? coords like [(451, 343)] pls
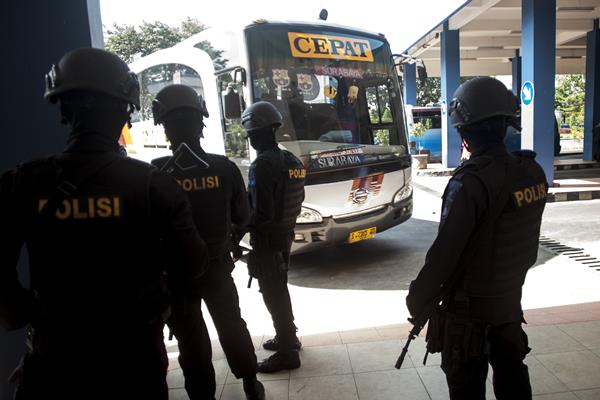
[(96, 70), (177, 96), (481, 98), (261, 115)]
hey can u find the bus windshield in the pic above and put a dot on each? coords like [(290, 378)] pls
[(336, 90)]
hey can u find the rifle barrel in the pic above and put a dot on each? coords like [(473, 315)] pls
[(403, 354)]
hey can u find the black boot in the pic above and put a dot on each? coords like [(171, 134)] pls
[(284, 359), (254, 389), (273, 344)]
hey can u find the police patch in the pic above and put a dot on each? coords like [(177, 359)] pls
[(454, 186)]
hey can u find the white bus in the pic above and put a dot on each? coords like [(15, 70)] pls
[(339, 95)]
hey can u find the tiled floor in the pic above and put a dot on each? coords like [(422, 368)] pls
[(563, 365)]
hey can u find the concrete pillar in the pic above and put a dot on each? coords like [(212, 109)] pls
[(410, 84), (592, 91), (537, 91), (40, 33), (516, 72), (450, 80)]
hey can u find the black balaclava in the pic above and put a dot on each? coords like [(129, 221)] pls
[(184, 125), (263, 139), (482, 134), (92, 112)]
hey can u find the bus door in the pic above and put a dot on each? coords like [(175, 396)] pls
[(231, 84), (191, 67)]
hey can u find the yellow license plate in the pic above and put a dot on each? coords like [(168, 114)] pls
[(363, 234)]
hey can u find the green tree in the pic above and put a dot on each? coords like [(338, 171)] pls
[(130, 42), (429, 91), (569, 99)]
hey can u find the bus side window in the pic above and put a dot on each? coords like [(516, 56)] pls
[(378, 102), (373, 105), (384, 104)]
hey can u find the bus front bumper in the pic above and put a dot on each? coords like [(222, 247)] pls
[(334, 230)]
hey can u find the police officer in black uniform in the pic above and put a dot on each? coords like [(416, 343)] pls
[(487, 240), (216, 191), (99, 230), (276, 190)]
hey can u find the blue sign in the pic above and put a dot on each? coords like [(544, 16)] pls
[(527, 93)]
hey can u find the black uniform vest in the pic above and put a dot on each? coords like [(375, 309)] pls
[(499, 265), (209, 186), (291, 194), (289, 175), (96, 258)]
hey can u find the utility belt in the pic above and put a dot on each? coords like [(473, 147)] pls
[(451, 329), (269, 256)]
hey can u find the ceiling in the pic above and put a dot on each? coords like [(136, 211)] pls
[(490, 34)]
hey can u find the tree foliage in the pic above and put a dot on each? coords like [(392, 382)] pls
[(130, 42), (569, 99), (429, 91)]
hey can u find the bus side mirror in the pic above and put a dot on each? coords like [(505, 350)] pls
[(232, 104)]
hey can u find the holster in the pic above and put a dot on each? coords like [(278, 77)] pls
[(435, 331), (466, 338), (263, 263)]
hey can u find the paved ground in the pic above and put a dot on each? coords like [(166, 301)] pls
[(349, 305), (359, 364)]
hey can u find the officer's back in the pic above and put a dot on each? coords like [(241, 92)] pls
[(215, 189), (276, 185), (97, 256), (213, 183), (101, 230)]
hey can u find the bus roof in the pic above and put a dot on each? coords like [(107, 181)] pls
[(318, 25)]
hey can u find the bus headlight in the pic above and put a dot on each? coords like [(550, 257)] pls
[(308, 216), (403, 194)]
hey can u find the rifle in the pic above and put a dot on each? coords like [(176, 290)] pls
[(418, 325), (486, 224)]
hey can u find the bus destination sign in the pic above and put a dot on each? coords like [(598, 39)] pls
[(310, 45)]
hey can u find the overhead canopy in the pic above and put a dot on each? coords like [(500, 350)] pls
[(490, 34)]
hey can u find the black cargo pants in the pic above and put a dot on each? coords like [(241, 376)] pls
[(274, 289), (195, 352), (505, 347), (220, 294)]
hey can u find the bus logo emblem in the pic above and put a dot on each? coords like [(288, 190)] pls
[(364, 187), (305, 82), (281, 77), (359, 196)]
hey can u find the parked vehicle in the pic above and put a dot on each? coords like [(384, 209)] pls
[(339, 95), (564, 128)]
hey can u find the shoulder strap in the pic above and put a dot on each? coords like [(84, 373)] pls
[(184, 159), (73, 180)]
